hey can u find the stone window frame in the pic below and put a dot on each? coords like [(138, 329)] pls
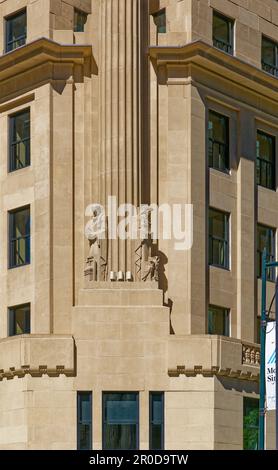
[(273, 187), (87, 422), (161, 423), (12, 318), (227, 144), (227, 320), (229, 47), (23, 38), (270, 256), (12, 239), (272, 69), (11, 117), (137, 423), (226, 240)]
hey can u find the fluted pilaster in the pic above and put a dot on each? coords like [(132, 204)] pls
[(120, 114)]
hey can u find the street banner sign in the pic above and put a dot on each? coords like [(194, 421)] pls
[(270, 366)]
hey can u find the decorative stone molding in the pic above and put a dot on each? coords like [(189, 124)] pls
[(214, 371), (43, 61), (206, 56), (210, 355), (37, 355), (251, 354)]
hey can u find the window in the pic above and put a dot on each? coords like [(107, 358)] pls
[(19, 237), (156, 421), (160, 21), (223, 31), (16, 31), (218, 239), (265, 240), (270, 56), (19, 320), (19, 140), (218, 133), (84, 420), (266, 160), (80, 19), (218, 321), (250, 423), (120, 421)]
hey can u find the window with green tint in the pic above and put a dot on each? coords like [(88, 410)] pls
[(266, 167), (19, 140), (160, 21), (16, 30), (19, 320), (120, 421), (84, 420), (219, 238), (265, 240), (218, 145), (250, 423), (269, 56), (80, 19), (218, 321), (19, 237), (156, 426), (223, 32)]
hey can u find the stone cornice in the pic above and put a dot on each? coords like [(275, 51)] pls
[(217, 371), (39, 52), (210, 355), (37, 355), (219, 63)]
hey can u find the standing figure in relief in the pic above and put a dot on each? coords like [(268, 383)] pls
[(95, 232)]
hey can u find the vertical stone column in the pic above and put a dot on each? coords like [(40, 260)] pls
[(61, 207), (120, 114), (246, 230)]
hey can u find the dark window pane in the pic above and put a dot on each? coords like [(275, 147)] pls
[(84, 420), (80, 19), (266, 160), (270, 56), (218, 134), (19, 141), (120, 421), (218, 321), (265, 240), (19, 320), (160, 21), (223, 33), (16, 31), (218, 238), (156, 421), (19, 237), (250, 423)]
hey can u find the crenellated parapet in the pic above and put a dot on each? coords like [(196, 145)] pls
[(37, 355)]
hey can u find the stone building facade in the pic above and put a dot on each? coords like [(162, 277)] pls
[(153, 102)]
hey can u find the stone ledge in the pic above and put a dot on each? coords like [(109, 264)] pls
[(37, 355), (209, 58), (211, 355), (42, 51)]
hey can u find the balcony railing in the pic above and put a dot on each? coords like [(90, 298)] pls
[(223, 45), (251, 354), (270, 68)]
